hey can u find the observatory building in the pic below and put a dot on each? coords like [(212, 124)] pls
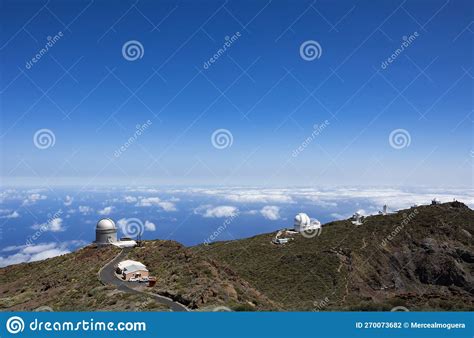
[(304, 223), (357, 219), (105, 232)]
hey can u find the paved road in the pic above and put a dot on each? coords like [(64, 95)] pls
[(107, 276)]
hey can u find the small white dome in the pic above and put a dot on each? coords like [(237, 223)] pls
[(105, 224), (302, 220)]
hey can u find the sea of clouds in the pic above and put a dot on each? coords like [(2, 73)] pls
[(36, 224)]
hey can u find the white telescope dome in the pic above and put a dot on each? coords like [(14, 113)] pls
[(302, 219), (304, 223), (105, 224)]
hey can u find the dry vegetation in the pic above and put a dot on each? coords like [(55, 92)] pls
[(428, 264), (66, 283)]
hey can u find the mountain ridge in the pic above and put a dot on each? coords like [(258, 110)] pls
[(419, 258)]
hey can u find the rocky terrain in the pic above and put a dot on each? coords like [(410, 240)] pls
[(421, 258), (70, 282), (197, 281), (67, 283)]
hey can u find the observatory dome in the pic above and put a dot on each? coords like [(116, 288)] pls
[(302, 221), (105, 232), (105, 224)]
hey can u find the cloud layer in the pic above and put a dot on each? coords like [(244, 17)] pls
[(210, 211), (35, 252), (270, 212)]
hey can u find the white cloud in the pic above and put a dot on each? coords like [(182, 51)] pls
[(13, 259), (257, 197), (38, 248), (33, 198), (48, 254), (156, 201), (53, 225), (12, 248), (209, 211), (395, 198), (84, 209), (167, 206), (36, 252), (130, 199), (149, 201), (150, 226), (338, 216), (270, 212), (333, 198), (56, 225), (106, 211), (68, 201), (14, 214), (239, 195)]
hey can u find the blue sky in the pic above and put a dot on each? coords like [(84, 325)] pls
[(261, 90)]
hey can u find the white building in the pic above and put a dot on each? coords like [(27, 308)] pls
[(132, 269), (105, 232), (277, 240), (303, 223), (125, 243), (357, 219), (127, 263), (384, 211)]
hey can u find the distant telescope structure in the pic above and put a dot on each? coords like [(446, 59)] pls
[(357, 219), (303, 223), (384, 210), (105, 232)]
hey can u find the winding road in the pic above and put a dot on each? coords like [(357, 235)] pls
[(107, 276)]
